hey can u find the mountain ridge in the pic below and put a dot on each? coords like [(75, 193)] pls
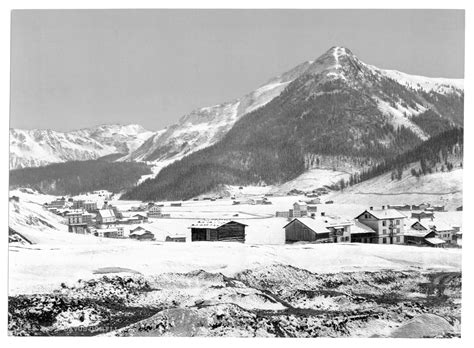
[(337, 106), (39, 147)]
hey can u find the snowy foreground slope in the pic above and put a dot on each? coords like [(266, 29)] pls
[(43, 268)]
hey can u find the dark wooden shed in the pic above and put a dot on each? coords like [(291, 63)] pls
[(218, 230), (306, 230)]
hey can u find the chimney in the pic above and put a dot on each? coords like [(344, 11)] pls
[(371, 208), (383, 207), (323, 213)]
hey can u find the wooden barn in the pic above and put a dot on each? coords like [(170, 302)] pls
[(306, 230), (176, 239), (141, 233), (218, 230)]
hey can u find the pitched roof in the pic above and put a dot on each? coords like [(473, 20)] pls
[(300, 203), (359, 227), (336, 222), (381, 214), (317, 225), (140, 214), (106, 213), (423, 224), (212, 224), (140, 233), (433, 224), (440, 226), (417, 233), (435, 241)]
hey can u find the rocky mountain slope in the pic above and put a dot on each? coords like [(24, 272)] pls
[(39, 147), (205, 126), (337, 106)]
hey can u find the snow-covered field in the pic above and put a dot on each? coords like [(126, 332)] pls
[(444, 188), (76, 278), (41, 268), (58, 256)]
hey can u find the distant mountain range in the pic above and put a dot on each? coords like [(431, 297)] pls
[(38, 147), (334, 108)]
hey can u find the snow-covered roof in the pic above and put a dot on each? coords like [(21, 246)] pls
[(140, 233), (417, 233), (300, 203), (423, 224), (336, 222), (140, 214), (106, 213), (381, 214), (433, 224), (435, 241), (209, 223), (440, 226), (359, 227), (74, 211), (152, 228), (317, 225)]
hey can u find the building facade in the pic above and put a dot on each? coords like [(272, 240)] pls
[(388, 224)]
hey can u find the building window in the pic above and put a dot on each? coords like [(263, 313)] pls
[(397, 222), (384, 240), (366, 216), (397, 239), (384, 231), (384, 223), (398, 230)]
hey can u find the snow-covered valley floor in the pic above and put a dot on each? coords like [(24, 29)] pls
[(43, 268), (67, 284)]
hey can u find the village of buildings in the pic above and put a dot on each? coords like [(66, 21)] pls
[(306, 220)]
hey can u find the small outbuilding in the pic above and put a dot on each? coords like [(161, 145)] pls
[(218, 230), (176, 239), (141, 234)]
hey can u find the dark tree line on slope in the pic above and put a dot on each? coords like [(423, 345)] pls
[(269, 144), (431, 152), (79, 177)]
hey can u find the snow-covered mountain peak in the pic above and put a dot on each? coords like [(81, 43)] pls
[(341, 63)]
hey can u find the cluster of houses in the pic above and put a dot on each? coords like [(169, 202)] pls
[(252, 201), (400, 224), (301, 209), (380, 226), (85, 217)]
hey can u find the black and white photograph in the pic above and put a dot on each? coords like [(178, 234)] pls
[(205, 172)]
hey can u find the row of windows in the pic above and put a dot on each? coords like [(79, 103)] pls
[(384, 222), (397, 230)]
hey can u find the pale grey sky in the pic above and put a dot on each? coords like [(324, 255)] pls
[(79, 68)]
